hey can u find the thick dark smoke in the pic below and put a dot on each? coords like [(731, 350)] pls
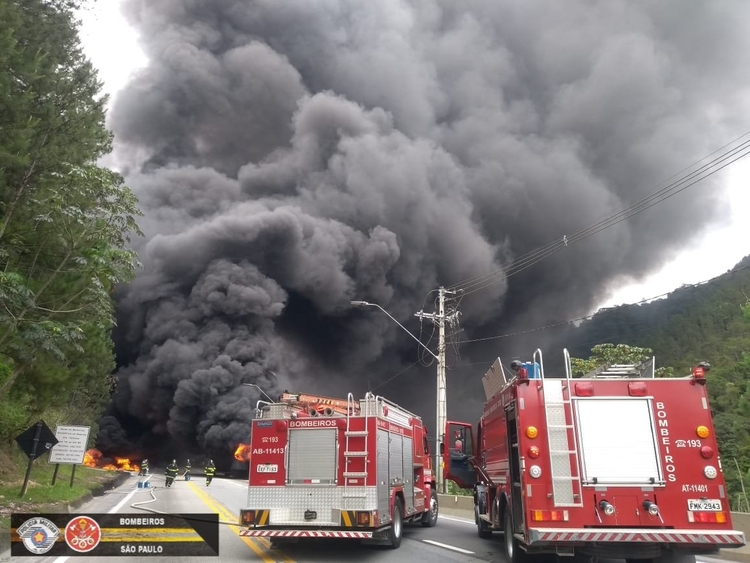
[(293, 156)]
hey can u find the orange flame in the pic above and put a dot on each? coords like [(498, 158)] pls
[(242, 453), (94, 458), (126, 465)]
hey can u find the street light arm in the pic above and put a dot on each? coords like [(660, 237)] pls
[(366, 304), (259, 389)]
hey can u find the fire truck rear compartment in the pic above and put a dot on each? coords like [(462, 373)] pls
[(319, 493), (617, 441), (311, 495)]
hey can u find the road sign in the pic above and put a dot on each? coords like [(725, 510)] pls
[(71, 445), (36, 440)]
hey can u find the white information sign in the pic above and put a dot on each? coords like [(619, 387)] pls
[(71, 446)]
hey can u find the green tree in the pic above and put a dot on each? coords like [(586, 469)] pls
[(64, 222)]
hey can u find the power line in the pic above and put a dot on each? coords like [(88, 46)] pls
[(590, 231), (477, 283), (593, 314), (490, 361), (565, 241), (395, 376)]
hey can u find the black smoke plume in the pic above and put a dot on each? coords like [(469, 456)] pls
[(293, 156)]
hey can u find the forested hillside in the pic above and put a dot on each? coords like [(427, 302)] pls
[(64, 224), (708, 322)]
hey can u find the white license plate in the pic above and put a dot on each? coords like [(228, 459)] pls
[(712, 505), (267, 468)]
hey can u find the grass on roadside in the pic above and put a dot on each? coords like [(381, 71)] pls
[(40, 492)]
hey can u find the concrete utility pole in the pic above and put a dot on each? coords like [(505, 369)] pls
[(441, 408), (440, 317)]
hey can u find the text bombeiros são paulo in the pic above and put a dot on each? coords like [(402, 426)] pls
[(141, 521), (131, 548)]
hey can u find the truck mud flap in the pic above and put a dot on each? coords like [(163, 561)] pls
[(724, 539)]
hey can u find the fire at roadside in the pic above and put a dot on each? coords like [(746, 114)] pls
[(95, 458), (242, 453)]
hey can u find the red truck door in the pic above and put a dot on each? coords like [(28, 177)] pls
[(458, 454)]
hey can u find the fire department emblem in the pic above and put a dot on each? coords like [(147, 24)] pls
[(38, 535), (82, 534)]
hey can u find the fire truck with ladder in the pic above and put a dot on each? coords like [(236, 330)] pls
[(332, 468), (615, 464)]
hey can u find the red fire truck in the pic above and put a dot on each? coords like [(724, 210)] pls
[(615, 464), (333, 468)]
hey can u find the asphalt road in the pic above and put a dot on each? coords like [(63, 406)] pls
[(452, 540)]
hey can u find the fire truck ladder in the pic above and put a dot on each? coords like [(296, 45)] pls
[(566, 483), (349, 454), (621, 371), (316, 405)]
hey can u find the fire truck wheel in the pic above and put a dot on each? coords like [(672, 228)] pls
[(483, 528), (513, 552), (397, 526), (430, 518)]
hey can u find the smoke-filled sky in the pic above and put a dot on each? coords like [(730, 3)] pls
[(292, 156)]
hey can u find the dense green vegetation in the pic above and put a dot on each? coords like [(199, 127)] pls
[(64, 223), (708, 322)]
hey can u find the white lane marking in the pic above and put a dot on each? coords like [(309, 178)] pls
[(243, 485), (118, 506), (455, 519), (64, 558), (446, 546)]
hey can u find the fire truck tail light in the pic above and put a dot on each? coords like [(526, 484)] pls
[(637, 389), (532, 432), (584, 389), (710, 472), (247, 517), (549, 515), (535, 471), (702, 432), (703, 517), (533, 452), (363, 518), (607, 508), (707, 452), (699, 375)]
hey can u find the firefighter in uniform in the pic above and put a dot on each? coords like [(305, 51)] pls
[(144, 467), (210, 470), (188, 467), (171, 472)]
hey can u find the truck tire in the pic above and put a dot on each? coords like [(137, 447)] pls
[(397, 526), (513, 552), (484, 530), (430, 518)]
